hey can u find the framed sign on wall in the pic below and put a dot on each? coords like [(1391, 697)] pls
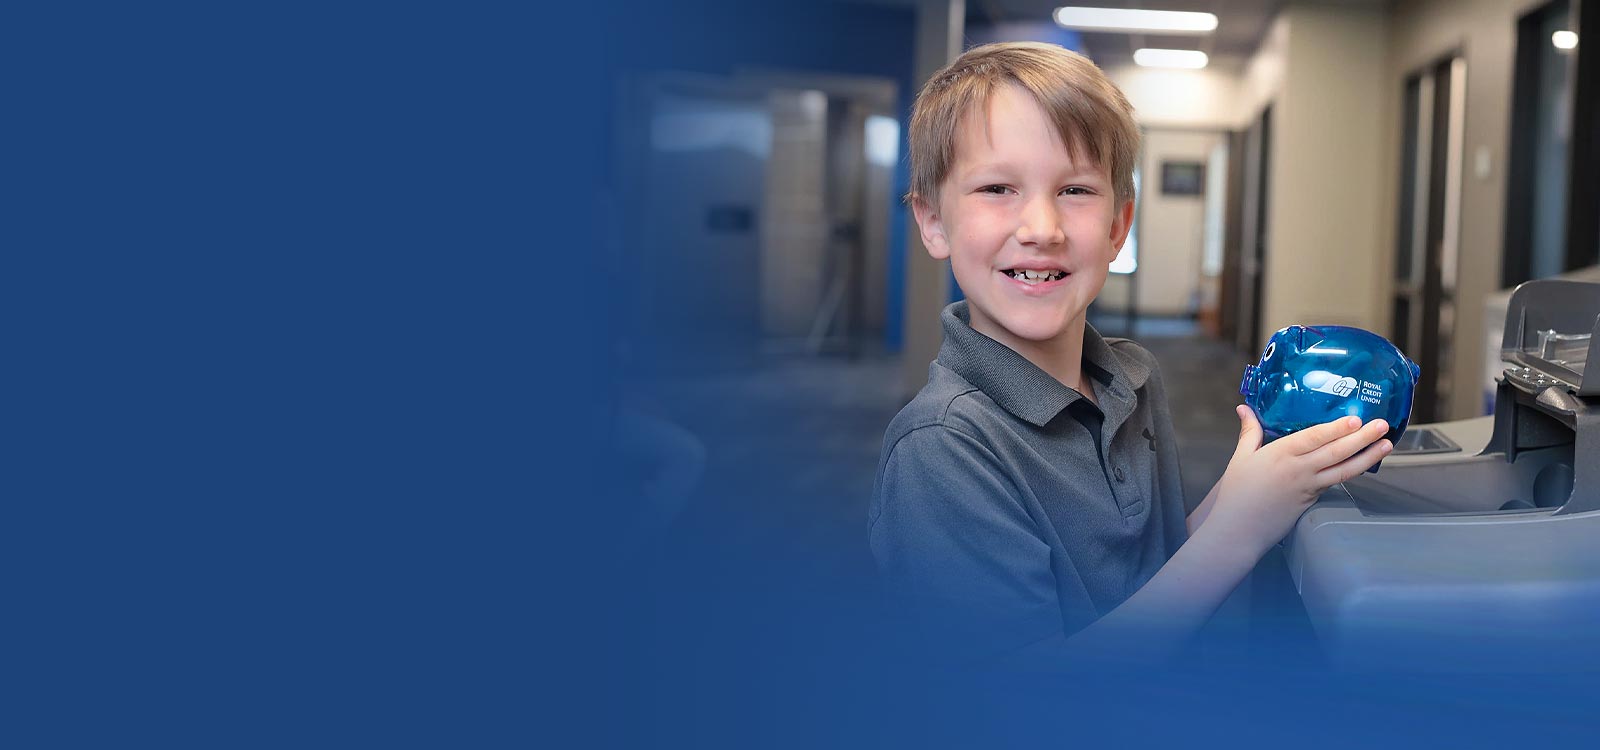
[(1183, 178)]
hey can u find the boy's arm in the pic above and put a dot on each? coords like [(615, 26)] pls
[(1257, 502), (1198, 515)]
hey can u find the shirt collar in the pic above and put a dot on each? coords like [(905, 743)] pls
[(1019, 386)]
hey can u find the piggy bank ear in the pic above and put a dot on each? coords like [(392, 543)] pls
[(1416, 371), (1305, 338)]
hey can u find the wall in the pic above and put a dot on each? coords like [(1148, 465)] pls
[(680, 300), (1484, 31), (846, 38), (1327, 236), (794, 216), (1171, 227), (1264, 75), (1203, 98), (927, 281), (1116, 294), (859, 117)]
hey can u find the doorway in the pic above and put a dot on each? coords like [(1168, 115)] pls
[(1553, 182), (1423, 309), (1248, 274)]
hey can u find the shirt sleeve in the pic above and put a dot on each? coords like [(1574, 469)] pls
[(956, 549)]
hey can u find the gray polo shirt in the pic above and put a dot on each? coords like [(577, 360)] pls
[(1008, 508)]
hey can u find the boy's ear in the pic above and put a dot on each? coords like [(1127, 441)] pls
[(933, 236), (1121, 224)]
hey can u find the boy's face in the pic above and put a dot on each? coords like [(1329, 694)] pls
[(1015, 201)]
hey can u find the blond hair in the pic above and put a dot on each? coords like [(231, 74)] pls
[(1090, 113)]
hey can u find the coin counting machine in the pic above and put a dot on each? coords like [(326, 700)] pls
[(1477, 547)]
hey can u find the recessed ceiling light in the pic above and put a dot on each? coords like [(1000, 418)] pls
[(1564, 40), (1171, 58), (1136, 21)]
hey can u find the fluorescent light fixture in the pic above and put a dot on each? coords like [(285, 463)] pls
[(1564, 39), (1136, 21), (1171, 58)]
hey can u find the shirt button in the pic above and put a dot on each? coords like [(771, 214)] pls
[(1120, 475)]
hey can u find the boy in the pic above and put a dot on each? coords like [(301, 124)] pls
[(1027, 501)]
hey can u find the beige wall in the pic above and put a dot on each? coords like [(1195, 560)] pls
[(1171, 228), (1326, 238), (1180, 98), (1264, 75), (1115, 294), (1484, 32)]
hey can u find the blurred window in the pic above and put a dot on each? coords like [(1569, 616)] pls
[(1540, 176), (1128, 260)]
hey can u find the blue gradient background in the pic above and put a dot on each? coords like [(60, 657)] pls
[(310, 427)]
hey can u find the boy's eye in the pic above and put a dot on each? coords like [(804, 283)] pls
[(994, 189), (1076, 190)]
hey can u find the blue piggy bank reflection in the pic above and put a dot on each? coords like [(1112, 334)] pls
[(1309, 375)]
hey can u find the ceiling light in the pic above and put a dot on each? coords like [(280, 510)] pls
[(1171, 58), (1136, 21), (1564, 39)]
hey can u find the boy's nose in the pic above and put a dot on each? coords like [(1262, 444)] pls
[(1040, 224)]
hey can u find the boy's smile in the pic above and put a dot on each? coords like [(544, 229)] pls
[(1030, 226)]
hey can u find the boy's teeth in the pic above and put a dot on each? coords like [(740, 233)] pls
[(1034, 276)]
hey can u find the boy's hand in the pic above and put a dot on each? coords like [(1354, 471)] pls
[(1265, 489)]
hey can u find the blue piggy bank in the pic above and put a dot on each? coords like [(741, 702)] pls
[(1309, 375)]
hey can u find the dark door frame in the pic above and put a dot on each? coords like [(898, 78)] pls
[(1581, 244), (1252, 244), (1583, 176)]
